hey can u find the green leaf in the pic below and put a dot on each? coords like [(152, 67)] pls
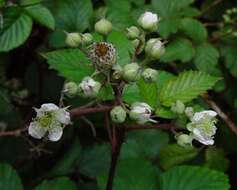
[(94, 160), (164, 112), (148, 92), (168, 26), (16, 29), (66, 164), (123, 47), (170, 8), (131, 93), (190, 12), (61, 183), (216, 159), (174, 154), (193, 29), (206, 57), (179, 49), (72, 15), (41, 15), (106, 93), (193, 178), (187, 86), (132, 174), (230, 55), (163, 77), (70, 63), (9, 179), (144, 144)]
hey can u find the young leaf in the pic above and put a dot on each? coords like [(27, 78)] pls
[(70, 63), (42, 15), (163, 77), (131, 93), (61, 183), (187, 86), (168, 27), (174, 154), (9, 179), (164, 112), (193, 178), (179, 49), (206, 57), (132, 174), (194, 29), (16, 29), (148, 92)]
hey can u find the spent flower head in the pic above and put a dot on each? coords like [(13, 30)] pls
[(103, 55), (49, 120)]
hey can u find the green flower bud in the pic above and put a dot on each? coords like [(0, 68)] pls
[(150, 75), (89, 88), (148, 21), (133, 32), (70, 89), (87, 38), (103, 27), (73, 39), (155, 48), (117, 72), (184, 140), (118, 114), (131, 72), (178, 107), (189, 112)]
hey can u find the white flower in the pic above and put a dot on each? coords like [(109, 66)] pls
[(141, 112), (89, 88), (148, 21), (50, 120), (202, 126)]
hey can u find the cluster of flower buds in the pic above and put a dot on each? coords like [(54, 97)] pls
[(87, 88), (50, 120), (76, 39)]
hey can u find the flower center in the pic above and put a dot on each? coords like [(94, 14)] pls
[(46, 120), (101, 49)]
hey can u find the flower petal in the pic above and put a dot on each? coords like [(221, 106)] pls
[(202, 137), (63, 116), (36, 131), (49, 107), (203, 114), (55, 133)]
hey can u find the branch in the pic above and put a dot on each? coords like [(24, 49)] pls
[(77, 112), (216, 2), (16, 132), (223, 116), (157, 126)]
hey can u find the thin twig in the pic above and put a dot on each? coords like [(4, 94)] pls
[(76, 112), (222, 115), (16, 132), (90, 124), (107, 127), (216, 2)]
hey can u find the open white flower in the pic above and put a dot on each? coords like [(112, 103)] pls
[(50, 120), (141, 112), (148, 21), (202, 126)]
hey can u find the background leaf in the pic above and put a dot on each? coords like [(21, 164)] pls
[(187, 86), (16, 29), (193, 178), (9, 179), (70, 63), (173, 154)]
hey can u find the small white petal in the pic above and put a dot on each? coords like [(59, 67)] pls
[(63, 116), (36, 131), (203, 114), (55, 133), (202, 137), (49, 107)]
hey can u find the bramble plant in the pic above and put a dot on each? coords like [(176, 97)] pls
[(140, 84)]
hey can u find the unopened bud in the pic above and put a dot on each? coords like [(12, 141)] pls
[(155, 48), (103, 27), (87, 38), (184, 140), (73, 39), (131, 72), (118, 114), (70, 89), (89, 88), (148, 21), (133, 32), (150, 75), (189, 112), (178, 107)]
